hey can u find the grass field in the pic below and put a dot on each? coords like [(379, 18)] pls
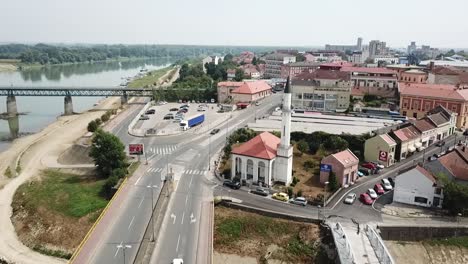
[(249, 234), (149, 80), (461, 241)]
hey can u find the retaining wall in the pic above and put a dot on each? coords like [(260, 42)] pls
[(418, 233)]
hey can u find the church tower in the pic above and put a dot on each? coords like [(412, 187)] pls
[(284, 155)]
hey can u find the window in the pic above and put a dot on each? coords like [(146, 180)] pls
[(404, 113), (418, 199), (438, 190), (415, 115)]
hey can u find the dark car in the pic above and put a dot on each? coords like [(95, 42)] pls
[(184, 106), (183, 110), (392, 181), (168, 116), (214, 131), (364, 171), (174, 109), (440, 143), (232, 184), (150, 112), (260, 191), (466, 132)]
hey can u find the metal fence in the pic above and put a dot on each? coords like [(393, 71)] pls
[(377, 243)]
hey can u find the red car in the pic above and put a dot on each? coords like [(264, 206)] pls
[(365, 198), (379, 189), (369, 165)]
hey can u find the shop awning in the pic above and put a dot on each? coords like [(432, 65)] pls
[(411, 149)]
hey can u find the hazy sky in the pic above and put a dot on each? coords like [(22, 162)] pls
[(236, 22)]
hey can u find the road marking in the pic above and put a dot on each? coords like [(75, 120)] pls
[(117, 252), (191, 179), (141, 202), (178, 240), (186, 200), (174, 217), (138, 180), (182, 222), (131, 222), (192, 219)]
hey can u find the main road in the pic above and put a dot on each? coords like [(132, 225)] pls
[(188, 156)]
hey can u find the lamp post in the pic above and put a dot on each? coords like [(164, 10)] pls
[(124, 247), (209, 152), (152, 187), (318, 212), (325, 192), (459, 215)]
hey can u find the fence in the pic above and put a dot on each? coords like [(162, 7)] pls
[(377, 243)]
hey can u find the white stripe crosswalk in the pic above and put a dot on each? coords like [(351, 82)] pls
[(161, 150), (194, 172), (154, 170)]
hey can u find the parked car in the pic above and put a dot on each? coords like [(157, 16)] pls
[(369, 165), (201, 109), (350, 198), (168, 116), (365, 198), (144, 117), (150, 112), (162, 102), (174, 109), (232, 184), (432, 158), (386, 185), (364, 171), (183, 110), (379, 189), (184, 106), (260, 191), (360, 174), (379, 166), (440, 143), (177, 261), (392, 181), (299, 201), (372, 193), (280, 196), (214, 131)]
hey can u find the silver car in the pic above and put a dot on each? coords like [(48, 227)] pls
[(386, 185), (299, 201), (350, 198)]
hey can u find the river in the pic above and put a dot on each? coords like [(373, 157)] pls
[(41, 111)]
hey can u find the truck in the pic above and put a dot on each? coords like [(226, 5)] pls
[(192, 121)]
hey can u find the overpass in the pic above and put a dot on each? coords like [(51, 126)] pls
[(123, 92)]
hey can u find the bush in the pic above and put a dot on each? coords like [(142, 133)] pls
[(290, 191), (302, 146), (92, 126), (295, 180), (332, 182), (108, 187), (309, 164), (8, 172), (105, 117), (119, 172), (299, 193), (98, 121)]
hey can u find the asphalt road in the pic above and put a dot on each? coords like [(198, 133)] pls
[(187, 155)]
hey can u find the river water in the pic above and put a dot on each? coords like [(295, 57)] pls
[(41, 111)]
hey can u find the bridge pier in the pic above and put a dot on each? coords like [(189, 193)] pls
[(124, 99), (68, 105), (12, 109)]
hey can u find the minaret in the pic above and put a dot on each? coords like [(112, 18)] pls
[(283, 162)]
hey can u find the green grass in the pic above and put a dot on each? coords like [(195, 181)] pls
[(150, 79), (53, 253), (461, 241), (132, 168), (68, 194)]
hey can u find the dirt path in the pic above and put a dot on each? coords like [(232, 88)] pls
[(53, 140)]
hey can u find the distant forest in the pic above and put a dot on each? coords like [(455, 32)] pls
[(56, 54)]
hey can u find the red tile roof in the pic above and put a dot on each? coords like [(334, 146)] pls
[(368, 70), (252, 87), (388, 139), (426, 173), (263, 146), (445, 70), (406, 133), (457, 163), (423, 125), (357, 92), (433, 90), (323, 74), (346, 157), (337, 64)]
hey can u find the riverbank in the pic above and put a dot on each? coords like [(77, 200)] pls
[(155, 78), (29, 152), (8, 65)]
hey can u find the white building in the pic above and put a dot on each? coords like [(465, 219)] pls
[(209, 59), (386, 59), (266, 158), (418, 187)]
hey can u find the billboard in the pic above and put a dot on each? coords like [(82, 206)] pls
[(325, 167), (135, 149), (383, 155)]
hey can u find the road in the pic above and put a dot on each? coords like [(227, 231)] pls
[(187, 155)]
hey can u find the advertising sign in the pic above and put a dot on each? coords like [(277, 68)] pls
[(383, 155), (135, 149), (325, 167)]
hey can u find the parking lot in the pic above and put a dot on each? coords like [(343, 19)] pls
[(156, 124)]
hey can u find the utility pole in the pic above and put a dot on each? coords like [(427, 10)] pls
[(209, 152), (123, 247), (152, 210)]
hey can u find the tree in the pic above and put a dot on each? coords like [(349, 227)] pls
[(300, 57), (332, 182), (254, 61), (105, 117), (239, 75), (98, 121), (92, 126), (228, 58), (455, 195), (108, 153), (302, 146)]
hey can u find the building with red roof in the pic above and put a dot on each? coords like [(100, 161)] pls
[(407, 139), (250, 91), (344, 164), (380, 149), (375, 81), (225, 89), (454, 165), (418, 99)]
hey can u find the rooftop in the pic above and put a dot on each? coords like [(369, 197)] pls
[(415, 71), (388, 139), (346, 157), (406, 133), (230, 84), (433, 90), (322, 74), (368, 70), (252, 87), (263, 146), (423, 125), (426, 173), (457, 163)]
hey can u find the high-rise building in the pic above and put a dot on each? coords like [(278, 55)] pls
[(412, 47), (377, 47), (359, 44)]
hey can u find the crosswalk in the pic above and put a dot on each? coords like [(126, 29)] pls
[(194, 172), (161, 150), (155, 169)]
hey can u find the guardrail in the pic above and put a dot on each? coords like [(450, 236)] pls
[(377, 243), (130, 129)]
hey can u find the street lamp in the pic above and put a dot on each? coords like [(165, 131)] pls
[(325, 192), (459, 215), (123, 247), (318, 212), (209, 152), (152, 187)]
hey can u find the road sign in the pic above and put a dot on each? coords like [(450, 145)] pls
[(325, 167), (383, 155), (136, 149)]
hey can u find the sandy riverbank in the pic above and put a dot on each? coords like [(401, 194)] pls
[(7, 67), (52, 140)]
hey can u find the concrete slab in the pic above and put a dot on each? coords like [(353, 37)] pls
[(362, 250)]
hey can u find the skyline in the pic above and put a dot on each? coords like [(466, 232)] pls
[(209, 22)]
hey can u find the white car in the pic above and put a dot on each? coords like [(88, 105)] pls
[(380, 166), (386, 185), (178, 261), (350, 198), (372, 193)]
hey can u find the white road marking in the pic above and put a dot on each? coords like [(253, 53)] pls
[(141, 202), (186, 200), (191, 179), (178, 240), (138, 180), (131, 222), (183, 216), (192, 219), (173, 216), (118, 248)]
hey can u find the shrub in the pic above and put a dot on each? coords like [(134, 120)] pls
[(302, 146), (98, 121), (309, 164), (290, 191), (332, 182), (299, 193), (105, 117), (92, 126), (108, 187), (295, 180), (119, 172), (8, 172)]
